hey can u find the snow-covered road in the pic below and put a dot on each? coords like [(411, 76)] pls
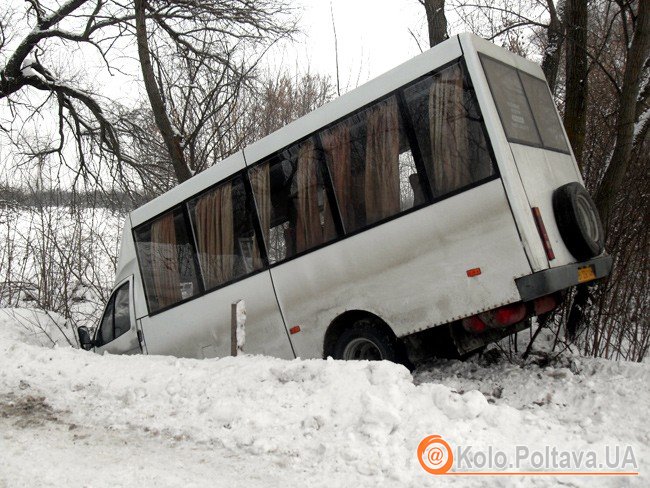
[(71, 418)]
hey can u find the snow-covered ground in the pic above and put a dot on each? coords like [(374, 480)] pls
[(72, 418)]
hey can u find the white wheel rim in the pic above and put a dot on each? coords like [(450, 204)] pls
[(361, 349)]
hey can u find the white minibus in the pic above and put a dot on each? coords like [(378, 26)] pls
[(428, 212)]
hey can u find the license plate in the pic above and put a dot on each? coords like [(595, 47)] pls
[(586, 273)]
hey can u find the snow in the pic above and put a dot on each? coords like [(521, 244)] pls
[(58, 256), (641, 122), (34, 327), (28, 71), (29, 61), (72, 418)]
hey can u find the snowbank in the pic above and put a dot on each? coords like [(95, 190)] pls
[(36, 327), (68, 417)]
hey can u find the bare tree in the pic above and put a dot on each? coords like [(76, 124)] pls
[(79, 109), (633, 114), (213, 44), (630, 134), (281, 99), (217, 32), (515, 24), (555, 41), (436, 20), (575, 111), (172, 138), (218, 112)]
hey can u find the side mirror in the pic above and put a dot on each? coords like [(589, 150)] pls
[(85, 341)]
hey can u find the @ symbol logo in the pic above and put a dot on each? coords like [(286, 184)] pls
[(435, 455)]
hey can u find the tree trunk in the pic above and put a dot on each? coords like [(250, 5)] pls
[(170, 137), (575, 112), (555, 36), (637, 56), (436, 21)]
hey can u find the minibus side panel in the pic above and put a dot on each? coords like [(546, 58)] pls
[(411, 271), (200, 328)]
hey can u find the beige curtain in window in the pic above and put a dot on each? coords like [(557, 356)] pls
[(382, 162), (309, 231), (213, 223), (261, 185), (329, 227), (449, 132), (164, 262), (336, 144)]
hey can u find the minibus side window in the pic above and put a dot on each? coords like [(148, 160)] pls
[(449, 130), (122, 317), (116, 319), (292, 204), (371, 164), (105, 333), (167, 262), (225, 237)]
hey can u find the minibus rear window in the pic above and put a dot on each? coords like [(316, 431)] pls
[(541, 103), (525, 106), (510, 99)]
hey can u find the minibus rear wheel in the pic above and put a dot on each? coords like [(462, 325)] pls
[(578, 221), (364, 340)]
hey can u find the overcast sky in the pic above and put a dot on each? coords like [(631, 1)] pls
[(373, 37)]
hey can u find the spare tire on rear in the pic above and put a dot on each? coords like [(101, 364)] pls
[(578, 221)]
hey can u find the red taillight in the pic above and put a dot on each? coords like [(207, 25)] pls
[(510, 314), (545, 304), (541, 228), (294, 330), (474, 324)]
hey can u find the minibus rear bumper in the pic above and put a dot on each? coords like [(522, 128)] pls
[(556, 279)]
